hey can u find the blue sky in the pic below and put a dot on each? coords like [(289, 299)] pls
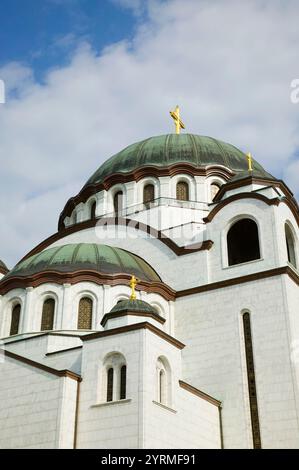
[(42, 33), (85, 78)]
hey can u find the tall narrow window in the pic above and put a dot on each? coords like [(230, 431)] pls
[(182, 191), (85, 314), (290, 246), (243, 242), (256, 436), (118, 201), (162, 387), (148, 193), (123, 382), (48, 315), (110, 384), (15, 320), (93, 210)]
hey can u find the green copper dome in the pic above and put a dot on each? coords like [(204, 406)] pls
[(133, 306), (166, 150), (86, 256)]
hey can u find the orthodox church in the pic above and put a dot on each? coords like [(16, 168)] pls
[(163, 313)]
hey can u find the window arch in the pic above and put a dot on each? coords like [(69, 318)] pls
[(118, 201), (182, 191), (243, 242), (15, 319), (163, 382), (93, 207), (148, 193), (48, 312), (115, 377), (290, 242), (85, 314)]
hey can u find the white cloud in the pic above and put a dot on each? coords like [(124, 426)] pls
[(228, 64), (137, 6)]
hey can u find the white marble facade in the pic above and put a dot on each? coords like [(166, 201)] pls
[(186, 374)]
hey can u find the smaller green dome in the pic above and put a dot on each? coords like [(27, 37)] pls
[(133, 306), (86, 256)]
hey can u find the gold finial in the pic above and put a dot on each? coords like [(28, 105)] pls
[(133, 283), (177, 121), (249, 158)]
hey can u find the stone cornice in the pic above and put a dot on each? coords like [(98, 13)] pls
[(289, 201), (237, 197), (38, 365), (57, 277), (135, 327), (231, 185), (151, 287), (239, 280), (199, 393), (138, 174), (119, 221)]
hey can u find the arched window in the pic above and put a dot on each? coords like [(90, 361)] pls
[(115, 377), (148, 193), (118, 201), (214, 190), (93, 210), (162, 386), (85, 314), (110, 384), (48, 315), (123, 382), (255, 426), (15, 319), (243, 242), (182, 191), (290, 245), (163, 382)]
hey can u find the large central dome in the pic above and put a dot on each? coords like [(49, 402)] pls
[(166, 150)]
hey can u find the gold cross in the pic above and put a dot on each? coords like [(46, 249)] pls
[(133, 283), (249, 158), (177, 121)]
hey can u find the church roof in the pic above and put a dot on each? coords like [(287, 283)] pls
[(135, 305), (166, 150), (250, 174), (86, 256), (3, 267)]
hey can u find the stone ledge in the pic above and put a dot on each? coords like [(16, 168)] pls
[(164, 406), (115, 402)]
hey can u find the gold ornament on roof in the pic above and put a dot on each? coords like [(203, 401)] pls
[(177, 121), (133, 283), (249, 158)]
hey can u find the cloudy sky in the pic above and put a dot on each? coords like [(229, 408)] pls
[(84, 78)]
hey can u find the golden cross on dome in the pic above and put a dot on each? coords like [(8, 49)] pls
[(133, 283), (177, 121), (249, 158)]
